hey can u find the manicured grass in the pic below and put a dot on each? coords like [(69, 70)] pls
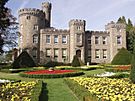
[(57, 89), (91, 72)]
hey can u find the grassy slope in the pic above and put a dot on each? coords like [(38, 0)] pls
[(57, 89)]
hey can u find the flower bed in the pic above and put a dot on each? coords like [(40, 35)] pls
[(107, 89), (119, 68), (19, 91), (51, 73)]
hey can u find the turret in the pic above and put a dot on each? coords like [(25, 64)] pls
[(46, 7), (117, 37), (77, 37), (30, 23)]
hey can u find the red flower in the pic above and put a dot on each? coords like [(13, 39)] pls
[(50, 72)]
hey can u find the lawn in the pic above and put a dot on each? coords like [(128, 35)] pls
[(57, 89)]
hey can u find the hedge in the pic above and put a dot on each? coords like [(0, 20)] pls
[(23, 60), (81, 93), (115, 70), (123, 57), (36, 94), (76, 68), (23, 74)]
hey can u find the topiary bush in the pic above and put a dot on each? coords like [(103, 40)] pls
[(75, 62), (51, 64), (132, 73), (123, 57), (23, 60)]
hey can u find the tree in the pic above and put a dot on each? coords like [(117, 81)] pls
[(10, 35), (132, 72), (122, 20), (123, 57), (4, 21), (75, 62), (130, 39)]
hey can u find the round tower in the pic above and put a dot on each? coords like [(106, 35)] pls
[(46, 7), (77, 38), (30, 23)]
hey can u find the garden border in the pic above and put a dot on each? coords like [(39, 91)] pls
[(71, 74)]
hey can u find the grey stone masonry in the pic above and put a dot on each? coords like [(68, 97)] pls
[(45, 43)]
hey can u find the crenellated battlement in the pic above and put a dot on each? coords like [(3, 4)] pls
[(31, 11), (53, 30), (99, 32), (76, 22), (115, 25)]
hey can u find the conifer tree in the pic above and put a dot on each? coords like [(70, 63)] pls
[(75, 62), (132, 73)]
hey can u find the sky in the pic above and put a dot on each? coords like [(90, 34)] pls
[(97, 13)]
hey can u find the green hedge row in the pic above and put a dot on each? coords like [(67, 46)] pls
[(23, 74), (75, 68), (115, 70), (11, 71), (37, 92), (81, 93)]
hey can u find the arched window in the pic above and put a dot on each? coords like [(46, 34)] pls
[(35, 38)]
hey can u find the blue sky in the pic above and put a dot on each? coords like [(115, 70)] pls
[(97, 13)]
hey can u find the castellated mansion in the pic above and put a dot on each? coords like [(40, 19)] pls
[(44, 42)]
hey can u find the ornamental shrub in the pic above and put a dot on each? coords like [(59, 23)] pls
[(123, 57), (132, 73), (51, 64), (23, 60), (75, 62)]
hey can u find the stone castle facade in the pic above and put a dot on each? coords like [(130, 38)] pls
[(45, 43)]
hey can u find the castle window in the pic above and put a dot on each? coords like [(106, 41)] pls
[(104, 53), (78, 27), (55, 39), (35, 38), (56, 53), (64, 54), (96, 40), (97, 53), (48, 52), (48, 40), (64, 39), (36, 27), (28, 17), (89, 41), (119, 40), (78, 38), (104, 40)]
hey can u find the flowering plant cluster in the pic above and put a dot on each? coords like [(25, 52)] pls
[(19, 91), (126, 67), (107, 89), (49, 71)]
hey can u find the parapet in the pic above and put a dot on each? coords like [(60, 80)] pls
[(53, 30), (115, 25), (31, 11), (77, 22), (99, 32)]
